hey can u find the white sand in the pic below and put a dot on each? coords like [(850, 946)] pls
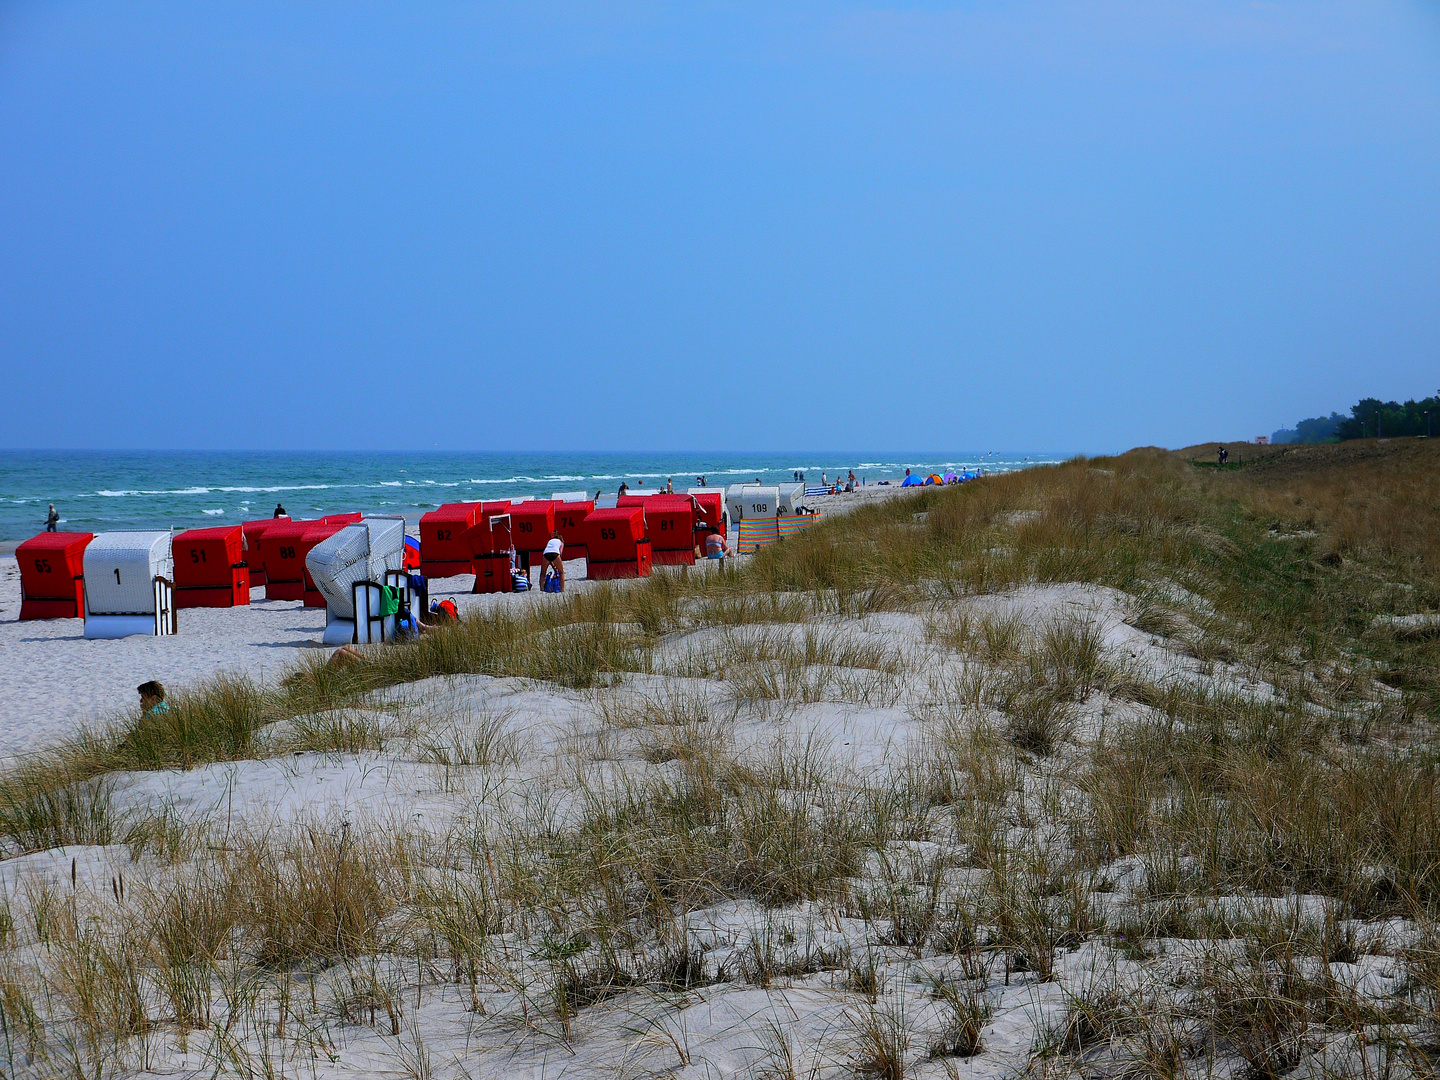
[(566, 744), (58, 681)]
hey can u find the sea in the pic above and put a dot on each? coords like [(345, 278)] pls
[(95, 491)]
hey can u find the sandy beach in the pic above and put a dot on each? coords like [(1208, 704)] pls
[(61, 682), (761, 832)]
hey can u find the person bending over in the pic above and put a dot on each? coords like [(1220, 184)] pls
[(554, 566)]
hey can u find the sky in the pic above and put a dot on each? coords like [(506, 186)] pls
[(1074, 225)]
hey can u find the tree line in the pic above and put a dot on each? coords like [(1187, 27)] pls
[(1369, 418)]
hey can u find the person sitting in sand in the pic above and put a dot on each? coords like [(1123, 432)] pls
[(554, 565), (715, 546), (152, 698)]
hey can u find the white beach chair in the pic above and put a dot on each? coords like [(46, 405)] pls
[(365, 552), (130, 585)]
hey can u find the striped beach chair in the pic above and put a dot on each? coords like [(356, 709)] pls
[(757, 533), (794, 524)]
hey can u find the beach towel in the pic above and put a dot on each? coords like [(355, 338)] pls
[(757, 533), (796, 523)]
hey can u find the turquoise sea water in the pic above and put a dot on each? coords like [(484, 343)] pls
[(99, 490)]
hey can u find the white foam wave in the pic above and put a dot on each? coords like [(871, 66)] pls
[(212, 513), (133, 492), (105, 493)]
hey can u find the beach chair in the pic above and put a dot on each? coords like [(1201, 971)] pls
[(443, 550), (791, 498), (130, 585), (52, 575), (364, 553), (617, 543), (209, 568)]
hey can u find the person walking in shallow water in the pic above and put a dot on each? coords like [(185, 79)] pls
[(52, 519)]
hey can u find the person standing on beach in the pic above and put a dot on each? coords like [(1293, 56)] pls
[(279, 511), (624, 487), (52, 519)]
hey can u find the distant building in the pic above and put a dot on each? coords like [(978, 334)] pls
[(1262, 440)]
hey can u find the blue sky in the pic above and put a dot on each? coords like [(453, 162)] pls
[(1064, 225)]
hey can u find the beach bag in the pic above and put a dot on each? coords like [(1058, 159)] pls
[(551, 583), (445, 611)]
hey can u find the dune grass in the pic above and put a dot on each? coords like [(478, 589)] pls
[(992, 847)]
